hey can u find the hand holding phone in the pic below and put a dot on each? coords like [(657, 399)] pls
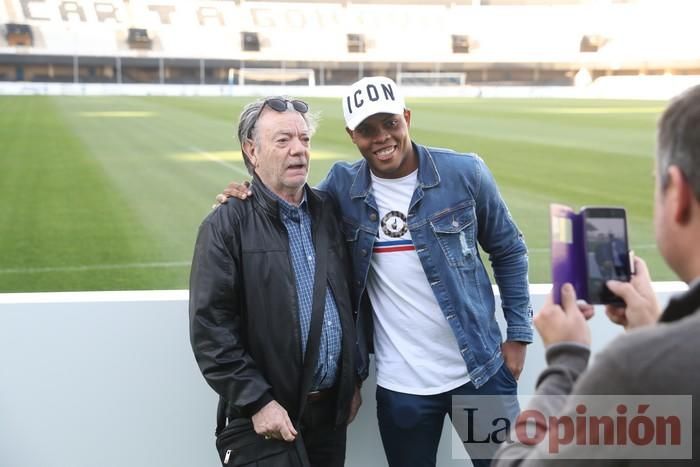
[(640, 306), (589, 249)]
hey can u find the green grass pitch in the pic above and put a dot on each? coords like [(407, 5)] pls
[(106, 193)]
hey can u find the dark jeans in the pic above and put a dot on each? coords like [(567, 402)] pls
[(324, 441), (410, 425)]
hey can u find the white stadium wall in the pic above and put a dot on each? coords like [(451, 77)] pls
[(109, 379)]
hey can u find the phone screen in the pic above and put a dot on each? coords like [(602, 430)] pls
[(607, 257)]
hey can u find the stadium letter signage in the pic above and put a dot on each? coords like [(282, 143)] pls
[(70, 11), (27, 10), (370, 93), (163, 12), (105, 11)]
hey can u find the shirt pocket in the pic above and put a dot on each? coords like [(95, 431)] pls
[(454, 230)]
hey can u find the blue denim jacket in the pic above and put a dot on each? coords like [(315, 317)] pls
[(455, 205)]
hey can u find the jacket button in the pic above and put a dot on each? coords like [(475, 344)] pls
[(373, 216), (358, 283), (364, 252)]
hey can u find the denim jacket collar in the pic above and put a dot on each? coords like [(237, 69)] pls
[(428, 176)]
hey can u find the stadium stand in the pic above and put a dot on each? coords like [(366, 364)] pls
[(533, 42)]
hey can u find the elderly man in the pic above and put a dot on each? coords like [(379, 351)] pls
[(271, 323), (659, 359), (412, 217)]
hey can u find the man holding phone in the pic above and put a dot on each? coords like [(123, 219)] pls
[(660, 359)]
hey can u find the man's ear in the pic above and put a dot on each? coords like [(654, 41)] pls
[(407, 117), (679, 194), (350, 133), (249, 150)]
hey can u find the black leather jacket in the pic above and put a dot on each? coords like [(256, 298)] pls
[(244, 321)]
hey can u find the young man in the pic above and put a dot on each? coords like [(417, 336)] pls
[(660, 359), (251, 344), (412, 218)]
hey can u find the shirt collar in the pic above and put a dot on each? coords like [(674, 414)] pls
[(682, 305), (287, 209)]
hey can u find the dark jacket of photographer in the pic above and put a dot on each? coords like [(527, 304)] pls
[(244, 318), (653, 361)]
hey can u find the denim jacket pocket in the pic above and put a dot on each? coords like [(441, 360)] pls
[(454, 231)]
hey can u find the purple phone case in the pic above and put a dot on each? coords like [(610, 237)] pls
[(568, 255)]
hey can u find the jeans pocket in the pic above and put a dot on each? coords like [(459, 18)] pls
[(509, 374)]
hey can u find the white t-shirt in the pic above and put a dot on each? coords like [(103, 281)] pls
[(416, 351)]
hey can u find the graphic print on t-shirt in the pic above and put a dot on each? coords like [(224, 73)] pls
[(393, 225)]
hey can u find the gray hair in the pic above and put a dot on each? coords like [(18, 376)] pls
[(678, 139), (250, 115)]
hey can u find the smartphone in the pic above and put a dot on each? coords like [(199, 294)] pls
[(607, 251)]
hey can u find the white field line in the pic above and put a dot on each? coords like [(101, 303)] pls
[(649, 246), (97, 267), (213, 158)]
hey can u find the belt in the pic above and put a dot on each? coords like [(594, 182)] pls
[(323, 394)]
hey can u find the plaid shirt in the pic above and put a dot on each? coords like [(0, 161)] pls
[(297, 220)]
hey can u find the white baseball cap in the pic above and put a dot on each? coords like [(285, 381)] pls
[(369, 96)]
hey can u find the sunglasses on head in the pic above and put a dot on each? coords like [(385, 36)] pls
[(280, 105)]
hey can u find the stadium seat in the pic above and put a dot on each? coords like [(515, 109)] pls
[(356, 43), (19, 34), (592, 43), (250, 41), (138, 39), (460, 44)]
